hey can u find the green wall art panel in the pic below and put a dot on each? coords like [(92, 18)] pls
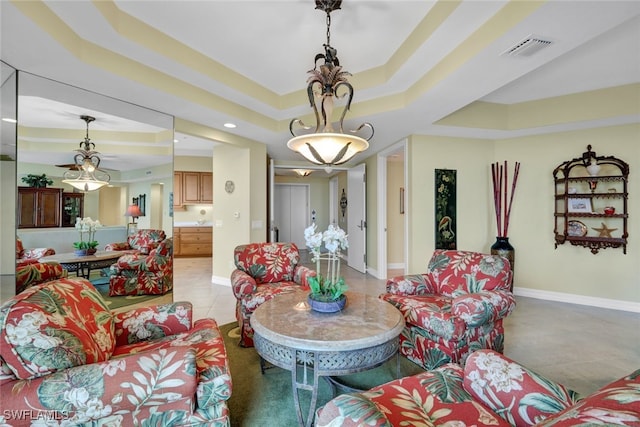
[(445, 206)]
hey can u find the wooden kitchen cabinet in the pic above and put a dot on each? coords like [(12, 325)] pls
[(177, 191), (192, 241), (39, 207), (191, 188)]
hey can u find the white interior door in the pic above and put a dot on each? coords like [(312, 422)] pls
[(291, 216), (356, 212)]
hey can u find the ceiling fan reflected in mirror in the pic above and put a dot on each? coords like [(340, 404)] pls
[(85, 173)]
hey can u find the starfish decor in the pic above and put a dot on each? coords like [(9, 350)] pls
[(604, 230)]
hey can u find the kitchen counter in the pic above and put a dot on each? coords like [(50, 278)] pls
[(193, 224)]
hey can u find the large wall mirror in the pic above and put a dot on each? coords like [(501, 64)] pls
[(8, 114), (135, 147)]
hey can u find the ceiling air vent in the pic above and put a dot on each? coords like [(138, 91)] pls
[(527, 47)]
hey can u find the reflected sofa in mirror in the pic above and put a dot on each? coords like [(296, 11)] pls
[(135, 147)]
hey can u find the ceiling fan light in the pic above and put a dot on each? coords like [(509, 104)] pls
[(85, 184)]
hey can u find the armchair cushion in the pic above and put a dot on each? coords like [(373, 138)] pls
[(55, 327), (160, 370), (517, 394), (267, 263), (37, 272)]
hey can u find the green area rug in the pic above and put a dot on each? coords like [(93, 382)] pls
[(259, 400)]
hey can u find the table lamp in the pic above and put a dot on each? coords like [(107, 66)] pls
[(134, 212)]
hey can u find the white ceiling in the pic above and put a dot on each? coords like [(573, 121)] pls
[(234, 57)]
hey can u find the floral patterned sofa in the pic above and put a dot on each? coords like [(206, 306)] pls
[(491, 390), (63, 351), (142, 241), (453, 309), (264, 270), (30, 256), (33, 273), (139, 274)]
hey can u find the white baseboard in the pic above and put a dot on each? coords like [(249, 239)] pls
[(373, 272), (578, 299), (395, 266), (219, 280)]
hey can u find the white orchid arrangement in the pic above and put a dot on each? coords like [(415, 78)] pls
[(87, 226), (330, 287)]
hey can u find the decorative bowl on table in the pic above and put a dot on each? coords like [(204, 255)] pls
[(327, 306)]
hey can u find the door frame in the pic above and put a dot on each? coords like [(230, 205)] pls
[(382, 208)]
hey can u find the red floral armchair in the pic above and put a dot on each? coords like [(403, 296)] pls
[(139, 274), (62, 351), (264, 270), (491, 390), (38, 272), (455, 308), (142, 241), (30, 256)]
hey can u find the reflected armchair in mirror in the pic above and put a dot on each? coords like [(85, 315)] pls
[(140, 274), (142, 241)]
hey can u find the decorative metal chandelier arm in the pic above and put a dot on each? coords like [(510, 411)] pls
[(324, 146)]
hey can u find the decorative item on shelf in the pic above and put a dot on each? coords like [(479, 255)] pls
[(593, 167), (502, 203), (604, 231), (327, 292), (85, 173), (609, 210), (37, 181), (325, 146), (86, 227)]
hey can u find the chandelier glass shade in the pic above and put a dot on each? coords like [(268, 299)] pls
[(327, 83), (86, 174)]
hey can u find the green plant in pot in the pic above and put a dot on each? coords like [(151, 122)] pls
[(327, 291), (37, 181)]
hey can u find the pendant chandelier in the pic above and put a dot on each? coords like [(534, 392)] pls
[(86, 175), (327, 146)]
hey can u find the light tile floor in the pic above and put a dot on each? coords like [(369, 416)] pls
[(581, 347)]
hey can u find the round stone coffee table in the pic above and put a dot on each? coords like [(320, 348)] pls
[(290, 335)]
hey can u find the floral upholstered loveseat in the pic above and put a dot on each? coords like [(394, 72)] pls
[(453, 309), (264, 270), (491, 390), (62, 352), (140, 242), (139, 274)]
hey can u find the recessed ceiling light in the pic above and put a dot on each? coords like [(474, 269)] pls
[(175, 141), (9, 120), (230, 125)]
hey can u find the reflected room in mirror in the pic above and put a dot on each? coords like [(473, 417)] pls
[(68, 134)]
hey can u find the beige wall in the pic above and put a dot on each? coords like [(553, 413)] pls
[(567, 273)]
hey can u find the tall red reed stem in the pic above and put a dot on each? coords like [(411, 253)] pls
[(500, 179)]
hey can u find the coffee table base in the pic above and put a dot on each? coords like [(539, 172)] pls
[(321, 364)]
